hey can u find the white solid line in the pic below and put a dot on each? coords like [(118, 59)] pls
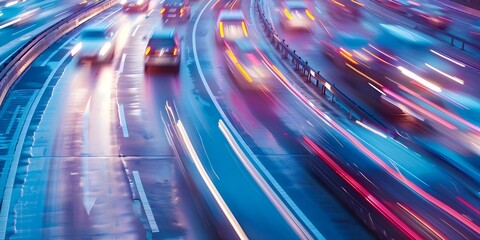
[(208, 181), (23, 30), (10, 125), (135, 30), (122, 63), (299, 229), (145, 204), (44, 63), (7, 196), (266, 187), (123, 122)]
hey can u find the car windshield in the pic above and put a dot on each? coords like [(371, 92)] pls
[(93, 34), (162, 43)]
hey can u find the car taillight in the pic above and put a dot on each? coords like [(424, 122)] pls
[(147, 51), (220, 26), (162, 10), (244, 27), (175, 51)]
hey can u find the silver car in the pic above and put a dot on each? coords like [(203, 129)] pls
[(97, 44)]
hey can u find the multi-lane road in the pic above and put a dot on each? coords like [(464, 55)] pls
[(118, 151)]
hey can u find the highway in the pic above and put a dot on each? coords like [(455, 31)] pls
[(237, 144)]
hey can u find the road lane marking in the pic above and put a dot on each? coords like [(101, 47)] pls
[(12, 121), (135, 30), (208, 181), (145, 203), (7, 196), (44, 63), (299, 229), (123, 121), (266, 187), (122, 63)]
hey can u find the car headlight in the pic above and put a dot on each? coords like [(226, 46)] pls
[(123, 2), (139, 2), (76, 49), (105, 48)]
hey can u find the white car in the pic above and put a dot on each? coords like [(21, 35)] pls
[(245, 64), (231, 25), (97, 43), (296, 16)]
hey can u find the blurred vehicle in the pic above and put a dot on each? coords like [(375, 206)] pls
[(431, 14), (97, 43), (231, 25), (245, 63), (474, 31), (344, 8), (176, 10), (346, 48), (163, 50), (135, 5), (16, 15), (401, 6), (296, 16)]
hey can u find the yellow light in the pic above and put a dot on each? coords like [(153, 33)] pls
[(338, 3), (232, 56), (357, 2), (287, 13), (147, 51), (162, 11), (309, 14), (182, 10), (175, 51), (347, 55), (244, 73), (244, 27), (220, 26)]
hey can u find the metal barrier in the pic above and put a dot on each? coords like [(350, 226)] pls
[(14, 67), (327, 89)]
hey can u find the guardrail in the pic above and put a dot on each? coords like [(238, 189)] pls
[(327, 89), (23, 57)]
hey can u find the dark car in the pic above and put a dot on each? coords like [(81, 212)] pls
[(163, 50), (176, 11), (135, 5)]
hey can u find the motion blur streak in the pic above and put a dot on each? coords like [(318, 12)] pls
[(474, 127), (286, 213), (419, 79), (445, 74), (419, 109), (447, 58), (468, 205), (433, 230), (198, 164), (371, 129), (380, 51), (364, 75), (397, 222), (461, 218), (377, 57)]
